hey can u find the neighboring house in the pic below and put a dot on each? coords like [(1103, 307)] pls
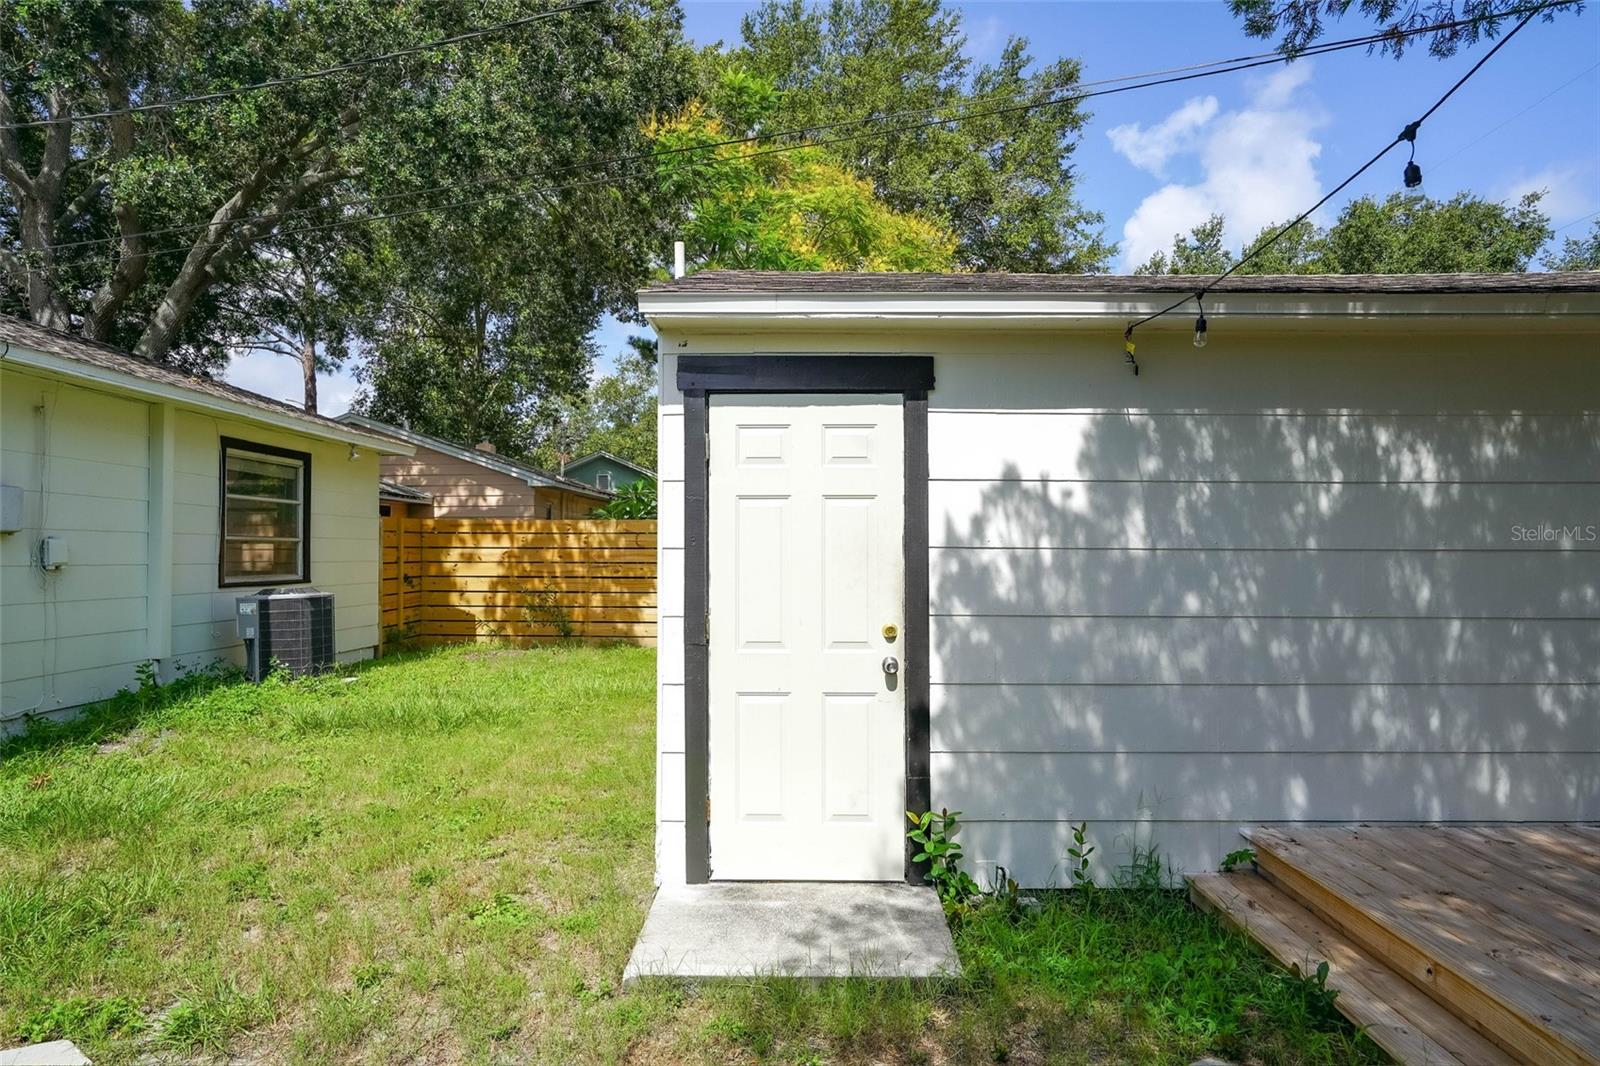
[(1342, 565), (140, 501), (478, 482), (606, 472), (396, 499)]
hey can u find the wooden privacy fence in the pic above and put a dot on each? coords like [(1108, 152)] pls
[(465, 579)]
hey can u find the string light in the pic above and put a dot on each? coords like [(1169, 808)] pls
[(1412, 176)]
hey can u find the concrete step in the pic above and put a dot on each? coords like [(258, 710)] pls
[(1398, 1017)]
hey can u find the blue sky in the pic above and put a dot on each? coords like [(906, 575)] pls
[(1258, 146)]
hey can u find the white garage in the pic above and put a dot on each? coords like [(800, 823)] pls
[(927, 541)]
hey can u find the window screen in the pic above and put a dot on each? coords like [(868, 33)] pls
[(603, 482), (265, 520)]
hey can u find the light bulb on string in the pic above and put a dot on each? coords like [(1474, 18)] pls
[(1200, 326), (1411, 177)]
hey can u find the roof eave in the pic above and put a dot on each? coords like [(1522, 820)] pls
[(1095, 310), (57, 366), (487, 460), (613, 457)]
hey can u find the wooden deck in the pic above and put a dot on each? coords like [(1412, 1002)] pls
[(1461, 944)]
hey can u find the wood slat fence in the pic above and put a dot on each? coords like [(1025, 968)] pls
[(469, 579)]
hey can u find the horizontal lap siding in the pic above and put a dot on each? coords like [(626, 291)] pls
[(1209, 604), (1288, 583), (344, 540), (670, 759), (464, 489), (81, 458), (1292, 717), (1323, 518)]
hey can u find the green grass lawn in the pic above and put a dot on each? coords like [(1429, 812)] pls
[(446, 857)]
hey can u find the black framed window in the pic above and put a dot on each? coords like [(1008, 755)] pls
[(266, 515)]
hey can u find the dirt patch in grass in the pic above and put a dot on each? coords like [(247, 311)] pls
[(448, 861)]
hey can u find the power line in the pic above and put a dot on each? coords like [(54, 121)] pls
[(1109, 86), (293, 79), (1574, 222), (1512, 118), (1228, 66), (1409, 135)]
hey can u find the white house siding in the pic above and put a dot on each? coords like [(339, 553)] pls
[(78, 635), (81, 459), (344, 540), (1279, 579), (669, 611)]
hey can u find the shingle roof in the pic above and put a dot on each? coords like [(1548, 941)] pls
[(619, 460), (19, 333), (491, 460), (393, 490), (767, 281)]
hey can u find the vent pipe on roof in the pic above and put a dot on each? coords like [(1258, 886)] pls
[(677, 259), (485, 446)]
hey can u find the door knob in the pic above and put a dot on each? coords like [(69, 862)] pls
[(891, 665)]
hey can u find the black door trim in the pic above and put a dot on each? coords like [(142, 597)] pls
[(698, 378)]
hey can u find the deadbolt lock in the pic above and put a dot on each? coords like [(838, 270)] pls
[(891, 631)]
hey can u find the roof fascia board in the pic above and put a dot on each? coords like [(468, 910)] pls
[(1095, 308), (115, 380), (487, 460), (619, 460)]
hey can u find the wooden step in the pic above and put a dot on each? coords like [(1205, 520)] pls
[(1397, 1016), (1415, 902)]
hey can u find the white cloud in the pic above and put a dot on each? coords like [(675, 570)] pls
[(1570, 191), (278, 376), (1257, 167), (1279, 86), (1149, 149)]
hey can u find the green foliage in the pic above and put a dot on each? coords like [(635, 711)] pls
[(617, 414), (1312, 989), (504, 911), (1396, 235), (1299, 23), (82, 1018), (1078, 854), (637, 500), (473, 303), (1577, 253), (1199, 252), (1135, 973), (1464, 234), (751, 208), (544, 608), (1003, 185), (1237, 858), (934, 833), (208, 1019)]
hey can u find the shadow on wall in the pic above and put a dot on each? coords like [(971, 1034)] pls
[(1175, 625)]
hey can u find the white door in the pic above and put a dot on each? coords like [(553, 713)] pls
[(807, 728)]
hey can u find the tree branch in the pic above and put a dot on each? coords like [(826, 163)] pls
[(133, 260), (10, 151), (81, 202), (214, 250)]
